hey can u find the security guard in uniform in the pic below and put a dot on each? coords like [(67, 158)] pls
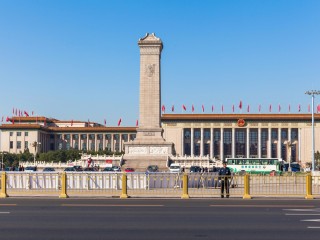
[(224, 175)]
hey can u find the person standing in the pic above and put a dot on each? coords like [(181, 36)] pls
[(224, 175)]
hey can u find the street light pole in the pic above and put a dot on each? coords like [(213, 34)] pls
[(2, 160), (312, 93), (2, 163), (35, 145)]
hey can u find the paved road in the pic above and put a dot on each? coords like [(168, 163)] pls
[(159, 219)]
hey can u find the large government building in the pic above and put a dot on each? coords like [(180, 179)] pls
[(160, 137), (217, 136)]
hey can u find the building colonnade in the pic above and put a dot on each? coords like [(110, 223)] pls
[(222, 143)]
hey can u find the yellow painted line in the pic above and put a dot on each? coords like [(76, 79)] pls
[(8, 204), (109, 205), (264, 206)]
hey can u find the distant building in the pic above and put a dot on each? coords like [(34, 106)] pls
[(218, 136)]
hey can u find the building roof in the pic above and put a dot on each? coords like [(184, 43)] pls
[(221, 117)]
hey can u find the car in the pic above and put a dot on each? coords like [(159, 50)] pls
[(108, 169), (69, 169), (152, 168), (129, 170), (295, 167), (78, 168), (116, 169), (175, 168), (194, 169), (48, 169), (30, 169)]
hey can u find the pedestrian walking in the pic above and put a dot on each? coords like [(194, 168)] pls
[(224, 175)]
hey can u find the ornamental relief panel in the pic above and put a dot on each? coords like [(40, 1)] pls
[(150, 69), (158, 150), (138, 150), (149, 50)]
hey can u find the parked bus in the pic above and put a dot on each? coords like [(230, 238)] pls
[(255, 165)]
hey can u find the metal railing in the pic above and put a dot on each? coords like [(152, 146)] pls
[(165, 185)]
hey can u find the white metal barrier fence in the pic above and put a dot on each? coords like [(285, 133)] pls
[(155, 184)]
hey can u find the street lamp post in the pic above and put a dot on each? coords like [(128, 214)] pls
[(312, 93), (2, 160), (35, 145)]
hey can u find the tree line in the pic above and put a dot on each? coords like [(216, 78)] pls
[(13, 159)]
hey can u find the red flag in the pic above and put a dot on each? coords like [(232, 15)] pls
[(25, 113), (163, 108), (240, 104), (318, 108), (137, 123), (279, 108), (172, 108), (259, 107), (233, 108), (12, 120), (202, 108), (248, 108), (192, 108), (184, 107), (119, 122), (7, 119), (72, 122), (309, 108), (299, 108), (222, 108), (105, 121), (270, 108), (212, 108), (32, 113), (289, 107)]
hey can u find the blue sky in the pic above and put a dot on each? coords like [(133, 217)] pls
[(79, 60)]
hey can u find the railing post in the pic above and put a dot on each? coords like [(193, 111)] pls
[(185, 194), (309, 187), (124, 193), (246, 187), (3, 193), (63, 193)]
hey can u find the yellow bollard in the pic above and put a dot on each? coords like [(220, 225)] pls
[(309, 187), (246, 187), (63, 193), (124, 193), (3, 193), (185, 194)]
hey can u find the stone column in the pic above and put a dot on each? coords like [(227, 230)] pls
[(259, 142), (221, 145), (269, 143), (192, 141), (279, 144), (201, 142), (211, 142), (182, 142), (248, 143), (289, 148), (233, 142)]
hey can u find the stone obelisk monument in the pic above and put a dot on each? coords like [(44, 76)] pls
[(149, 147)]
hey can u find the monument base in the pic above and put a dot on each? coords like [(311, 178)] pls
[(139, 155)]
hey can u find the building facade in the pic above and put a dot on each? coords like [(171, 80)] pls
[(217, 136)]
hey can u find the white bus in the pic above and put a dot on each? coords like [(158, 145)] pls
[(255, 165)]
